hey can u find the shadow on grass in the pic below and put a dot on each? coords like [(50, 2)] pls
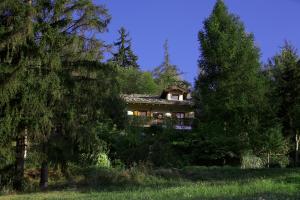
[(169, 178), (107, 180), (235, 174)]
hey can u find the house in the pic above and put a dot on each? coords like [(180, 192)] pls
[(174, 105)]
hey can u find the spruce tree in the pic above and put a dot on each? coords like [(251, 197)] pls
[(124, 57), (38, 62), (285, 76), (15, 58), (229, 90)]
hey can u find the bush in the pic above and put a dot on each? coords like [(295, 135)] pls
[(118, 164), (278, 161), (250, 161), (96, 177), (6, 178), (103, 161)]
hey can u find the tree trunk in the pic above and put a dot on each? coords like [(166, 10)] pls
[(20, 163), (44, 175), (297, 138), (44, 170), (268, 160), (64, 169)]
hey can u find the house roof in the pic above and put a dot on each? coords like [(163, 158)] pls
[(152, 99), (174, 88)]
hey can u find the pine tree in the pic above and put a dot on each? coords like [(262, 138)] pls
[(229, 89), (167, 74), (124, 57)]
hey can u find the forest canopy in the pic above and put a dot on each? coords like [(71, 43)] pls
[(61, 103)]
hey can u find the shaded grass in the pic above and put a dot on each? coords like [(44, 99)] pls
[(188, 183)]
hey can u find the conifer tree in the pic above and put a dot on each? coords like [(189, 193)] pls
[(37, 64), (15, 57), (167, 74), (229, 90), (285, 76), (124, 57)]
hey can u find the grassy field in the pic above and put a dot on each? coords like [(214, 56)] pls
[(189, 183)]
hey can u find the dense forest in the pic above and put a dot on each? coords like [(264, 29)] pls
[(61, 105)]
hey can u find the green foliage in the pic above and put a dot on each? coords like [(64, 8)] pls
[(230, 90), (167, 74), (124, 57), (134, 81), (278, 161), (53, 88), (274, 141), (188, 183), (250, 161), (103, 161), (156, 145), (284, 73)]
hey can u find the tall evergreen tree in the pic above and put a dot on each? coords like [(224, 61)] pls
[(16, 55), (285, 76), (167, 74), (124, 57), (61, 40), (229, 90)]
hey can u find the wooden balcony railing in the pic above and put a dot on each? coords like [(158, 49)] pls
[(150, 121)]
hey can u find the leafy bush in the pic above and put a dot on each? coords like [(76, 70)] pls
[(279, 161), (103, 160), (118, 164), (250, 161)]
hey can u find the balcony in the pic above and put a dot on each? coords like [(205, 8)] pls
[(143, 121)]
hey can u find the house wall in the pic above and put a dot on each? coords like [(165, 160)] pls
[(150, 109)]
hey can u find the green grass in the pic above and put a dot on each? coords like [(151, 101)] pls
[(189, 183)]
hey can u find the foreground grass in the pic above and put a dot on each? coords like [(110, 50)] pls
[(191, 183)]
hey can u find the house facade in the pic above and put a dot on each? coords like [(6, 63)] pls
[(173, 105)]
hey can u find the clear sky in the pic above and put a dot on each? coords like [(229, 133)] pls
[(151, 22)]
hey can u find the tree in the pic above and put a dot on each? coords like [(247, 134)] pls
[(167, 74), (124, 57), (229, 90), (273, 143), (36, 64), (16, 56), (285, 75), (135, 81), (65, 33)]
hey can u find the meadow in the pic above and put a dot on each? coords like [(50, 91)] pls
[(187, 183)]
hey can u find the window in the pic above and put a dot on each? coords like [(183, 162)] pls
[(158, 115), (143, 113), (180, 115), (180, 119), (174, 97)]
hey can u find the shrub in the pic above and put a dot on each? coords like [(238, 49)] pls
[(103, 161), (6, 178), (96, 177), (250, 161), (279, 161), (118, 164)]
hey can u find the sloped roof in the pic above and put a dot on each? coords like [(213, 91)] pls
[(174, 88), (152, 99)]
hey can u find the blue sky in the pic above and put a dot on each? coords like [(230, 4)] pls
[(151, 22)]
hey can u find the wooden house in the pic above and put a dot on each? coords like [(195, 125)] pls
[(173, 104)]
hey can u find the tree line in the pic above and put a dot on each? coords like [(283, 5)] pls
[(60, 101), (243, 107)]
